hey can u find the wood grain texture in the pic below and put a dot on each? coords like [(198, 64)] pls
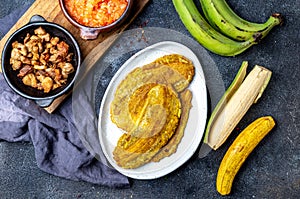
[(51, 11)]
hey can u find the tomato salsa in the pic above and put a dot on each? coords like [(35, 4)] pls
[(96, 13)]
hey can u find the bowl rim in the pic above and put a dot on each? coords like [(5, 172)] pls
[(75, 23), (34, 24)]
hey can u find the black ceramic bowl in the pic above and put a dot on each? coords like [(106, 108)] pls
[(41, 98), (89, 33)]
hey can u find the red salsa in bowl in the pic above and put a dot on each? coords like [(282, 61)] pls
[(96, 13), (94, 16)]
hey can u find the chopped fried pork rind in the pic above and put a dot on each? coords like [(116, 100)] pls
[(43, 62)]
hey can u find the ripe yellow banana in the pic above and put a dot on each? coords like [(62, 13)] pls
[(206, 35), (240, 149), (223, 18)]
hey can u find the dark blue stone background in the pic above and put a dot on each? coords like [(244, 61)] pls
[(271, 171)]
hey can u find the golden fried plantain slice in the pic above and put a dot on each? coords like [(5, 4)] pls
[(156, 124), (177, 72), (137, 100), (156, 111), (179, 63), (145, 104), (171, 147)]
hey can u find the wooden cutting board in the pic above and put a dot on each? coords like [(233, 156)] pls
[(51, 11)]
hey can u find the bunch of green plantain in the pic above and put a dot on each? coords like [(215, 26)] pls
[(224, 33)]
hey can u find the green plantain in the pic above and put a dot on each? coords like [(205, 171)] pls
[(230, 15), (206, 35), (223, 18)]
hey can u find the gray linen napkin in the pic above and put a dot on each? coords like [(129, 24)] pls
[(58, 148)]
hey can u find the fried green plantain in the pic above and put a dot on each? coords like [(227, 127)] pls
[(156, 124), (173, 69), (171, 147)]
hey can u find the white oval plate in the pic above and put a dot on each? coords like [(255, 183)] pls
[(109, 133)]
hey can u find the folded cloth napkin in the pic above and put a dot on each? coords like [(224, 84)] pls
[(58, 148)]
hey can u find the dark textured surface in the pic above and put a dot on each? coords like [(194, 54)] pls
[(271, 171)]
